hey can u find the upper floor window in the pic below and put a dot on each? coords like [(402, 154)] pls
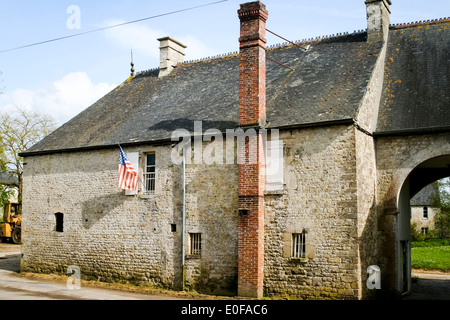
[(150, 173), (274, 165), (425, 212)]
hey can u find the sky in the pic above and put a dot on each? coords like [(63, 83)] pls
[(62, 78)]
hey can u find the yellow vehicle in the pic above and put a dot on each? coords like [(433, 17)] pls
[(11, 223)]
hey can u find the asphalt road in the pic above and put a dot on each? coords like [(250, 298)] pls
[(13, 287)]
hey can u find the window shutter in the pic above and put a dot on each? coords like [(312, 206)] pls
[(133, 157), (287, 245), (274, 165)]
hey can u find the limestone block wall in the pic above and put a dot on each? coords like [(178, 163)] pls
[(396, 158), (111, 236), (328, 195), (421, 222), (320, 199)]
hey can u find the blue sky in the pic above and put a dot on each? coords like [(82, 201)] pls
[(62, 78)]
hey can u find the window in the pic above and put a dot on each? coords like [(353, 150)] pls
[(195, 247), (425, 230), (150, 173), (425, 212), (274, 165), (298, 245), (59, 222)]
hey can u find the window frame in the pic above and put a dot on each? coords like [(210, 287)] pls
[(149, 182), (274, 158), (195, 244), (298, 245), (425, 212)]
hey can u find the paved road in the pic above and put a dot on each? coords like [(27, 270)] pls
[(13, 287), (430, 287)]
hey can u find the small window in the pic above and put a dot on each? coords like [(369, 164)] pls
[(425, 230), (59, 222), (150, 173), (173, 227), (425, 212), (195, 247), (298, 245)]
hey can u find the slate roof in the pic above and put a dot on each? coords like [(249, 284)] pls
[(417, 87), (426, 197), (327, 86), (8, 179)]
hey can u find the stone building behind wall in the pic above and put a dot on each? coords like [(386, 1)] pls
[(305, 220), (424, 208)]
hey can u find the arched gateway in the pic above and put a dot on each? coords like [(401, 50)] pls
[(406, 164)]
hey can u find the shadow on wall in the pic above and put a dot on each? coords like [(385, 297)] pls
[(93, 210)]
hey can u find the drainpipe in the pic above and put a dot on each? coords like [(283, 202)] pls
[(183, 265)]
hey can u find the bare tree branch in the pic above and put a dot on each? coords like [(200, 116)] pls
[(19, 132)]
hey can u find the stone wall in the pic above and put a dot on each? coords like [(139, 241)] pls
[(111, 236), (335, 193), (320, 199), (396, 157), (420, 221)]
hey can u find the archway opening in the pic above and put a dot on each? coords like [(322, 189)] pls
[(422, 176)]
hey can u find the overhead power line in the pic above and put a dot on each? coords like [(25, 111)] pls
[(113, 26), (291, 42)]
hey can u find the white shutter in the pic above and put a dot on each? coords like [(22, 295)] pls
[(274, 165), (133, 157)]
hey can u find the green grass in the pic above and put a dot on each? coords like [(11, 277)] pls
[(433, 242), (431, 257)]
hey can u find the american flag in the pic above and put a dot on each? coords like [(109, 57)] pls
[(128, 177)]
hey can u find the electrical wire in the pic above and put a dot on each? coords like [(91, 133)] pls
[(110, 27)]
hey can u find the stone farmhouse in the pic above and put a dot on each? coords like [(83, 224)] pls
[(424, 208), (314, 197)]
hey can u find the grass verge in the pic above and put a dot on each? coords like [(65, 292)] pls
[(431, 258)]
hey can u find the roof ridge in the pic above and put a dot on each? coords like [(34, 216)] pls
[(279, 45), (418, 23), (309, 40)]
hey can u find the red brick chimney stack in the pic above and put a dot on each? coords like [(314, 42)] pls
[(252, 113), (252, 67)]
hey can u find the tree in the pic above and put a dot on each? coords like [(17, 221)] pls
[(18, 132), (442, 218), (4, 192)]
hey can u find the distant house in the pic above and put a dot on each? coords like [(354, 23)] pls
[(335, 139), (424, 209), (10, 182)]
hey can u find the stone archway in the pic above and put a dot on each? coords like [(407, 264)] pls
[(422, 175), (405, 164)]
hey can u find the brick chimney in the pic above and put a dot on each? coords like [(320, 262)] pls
[(171, 53), (378, 19), (252, 114)]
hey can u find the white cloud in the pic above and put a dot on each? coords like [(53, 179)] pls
[(135, 37), (144, 40), (62, 99)]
